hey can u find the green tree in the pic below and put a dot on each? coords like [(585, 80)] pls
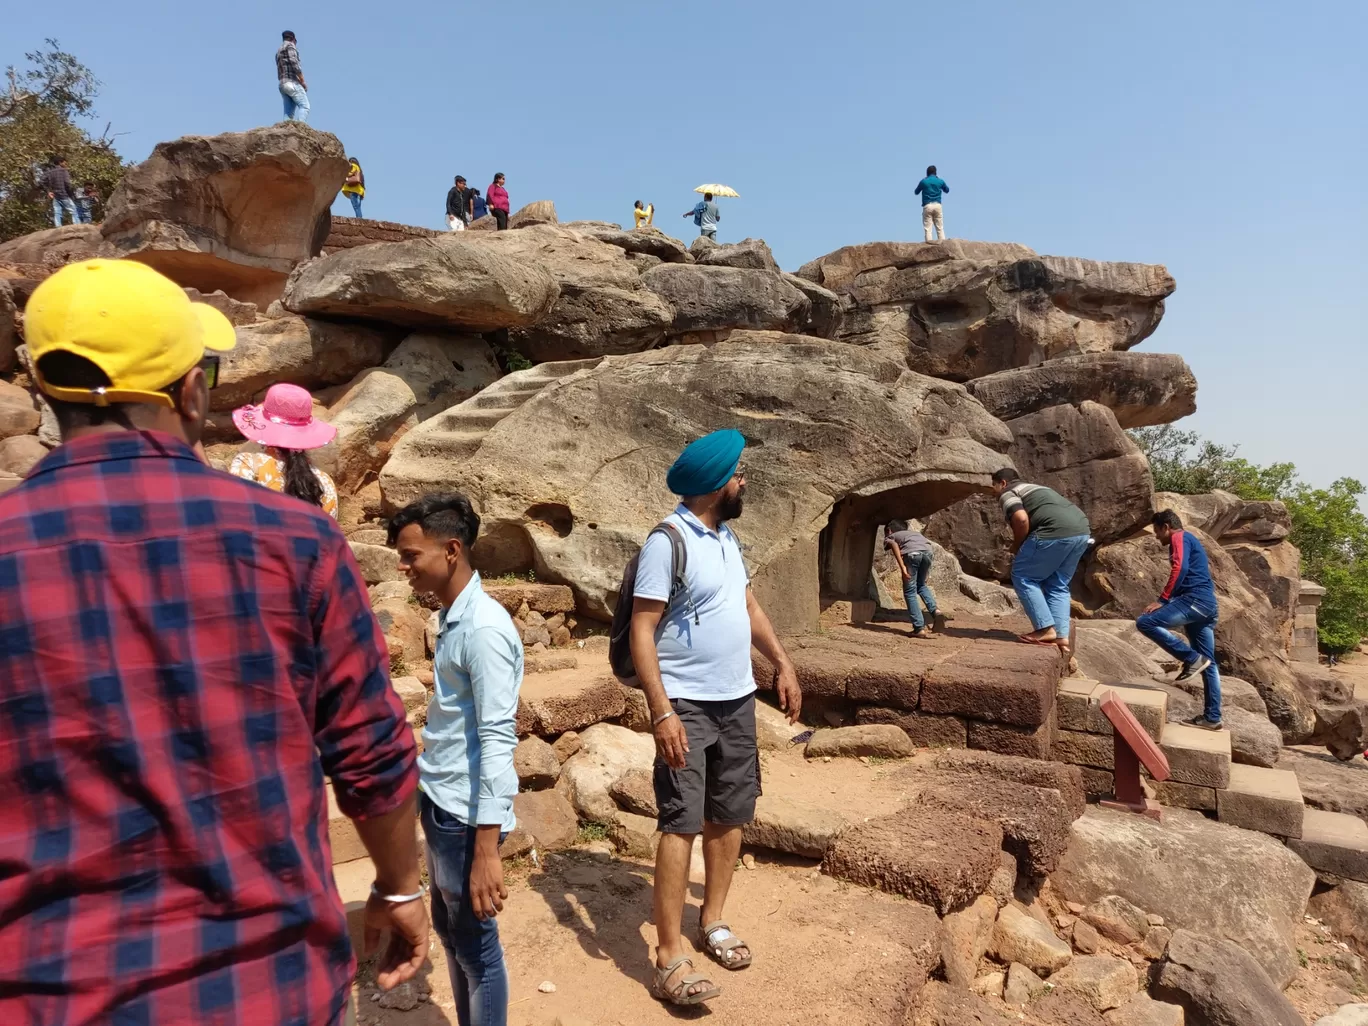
[(38, 120), (1328, 524)]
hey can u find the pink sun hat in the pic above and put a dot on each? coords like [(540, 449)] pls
[(284, 420)]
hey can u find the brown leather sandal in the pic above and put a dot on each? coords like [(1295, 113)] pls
[(678, 994), (721, 948)]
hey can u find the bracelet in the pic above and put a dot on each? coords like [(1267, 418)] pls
[(662, 718), (399, 899)]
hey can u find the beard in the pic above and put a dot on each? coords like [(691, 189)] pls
[(731, 506)]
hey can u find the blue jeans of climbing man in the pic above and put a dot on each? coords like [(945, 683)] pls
[(296, 100), (1041, 573), (60, 203), (1199, 624), (916, 591), (475, 959)]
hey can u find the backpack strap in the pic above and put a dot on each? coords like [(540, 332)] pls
[(679, 565)]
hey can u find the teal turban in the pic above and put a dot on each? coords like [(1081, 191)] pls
[(707, 464)]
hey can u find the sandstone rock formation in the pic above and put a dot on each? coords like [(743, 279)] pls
[(962, 310), (456, 281), (1139, 388), (53, 247), (235, 211), (709, 302), (574, 478)]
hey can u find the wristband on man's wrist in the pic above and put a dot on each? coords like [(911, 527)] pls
[(658, 720), (399, 899)]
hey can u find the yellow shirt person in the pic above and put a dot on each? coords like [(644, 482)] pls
[(643, 215), (355, 187)]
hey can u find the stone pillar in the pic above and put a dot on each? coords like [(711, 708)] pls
[(1304, 640)]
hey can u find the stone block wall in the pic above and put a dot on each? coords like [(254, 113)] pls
[(1305, 643)]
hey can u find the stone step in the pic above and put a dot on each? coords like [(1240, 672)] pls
[(475, 418), (1079, 705), (342, 836), (509, 399), (1334, 843), (1197, 756), (1267, 800)]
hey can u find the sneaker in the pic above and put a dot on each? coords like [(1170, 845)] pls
[(1204, 723), (1193, 668)]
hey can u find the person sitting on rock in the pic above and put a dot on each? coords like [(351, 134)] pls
[(1188, 601), (694, 666), (1049, 537), (644, 216), (285, 425), (467, 780), (913, 553)]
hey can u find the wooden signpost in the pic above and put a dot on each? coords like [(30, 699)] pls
[(1133, 747)]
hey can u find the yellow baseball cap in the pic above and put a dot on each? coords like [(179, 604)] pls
[(135, 324)]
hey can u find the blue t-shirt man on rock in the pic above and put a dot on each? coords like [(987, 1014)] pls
[(931, 188)]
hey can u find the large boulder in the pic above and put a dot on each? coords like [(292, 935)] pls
[(1079, 451), (826, 312), (299, 350), (1139, 388), (648, 241), (1121, 578), (53, 247), (752, 253), (1214, 512), (1199, 875), (235, 211), (457, 281), (18, 411), (1218, 983), (836, 434), (602, 307), (964, 311), (709, 302), (1274, 571), (425, 375), (839, 269)]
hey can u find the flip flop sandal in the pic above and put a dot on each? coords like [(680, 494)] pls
[(679, 993), (718, 942), (1026, 639)]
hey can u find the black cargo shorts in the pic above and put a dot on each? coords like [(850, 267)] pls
[(720, 780)]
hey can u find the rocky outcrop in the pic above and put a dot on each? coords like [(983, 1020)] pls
[(235, 211), (576, 475), (1219, 984), (648, 241), (53, 247), (751, 253), (1198, 875), (709, 302), (1139, 388), (299, 350), (968, 309), (1079, 451), (456, 281)]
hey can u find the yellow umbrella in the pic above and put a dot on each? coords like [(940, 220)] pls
[(719, 190)]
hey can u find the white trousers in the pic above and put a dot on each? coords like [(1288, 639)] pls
[(932, 221)]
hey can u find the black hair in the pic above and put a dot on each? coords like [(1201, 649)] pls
[(894, 526), (1005, 476), (1167, 518), (707, 195), (637, 205), (498, 175), (459, 179), (440, 515), (931, 170), (300, 479), (61, 369), (360, 171), (287, 34)]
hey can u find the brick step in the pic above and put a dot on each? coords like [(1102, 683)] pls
[(1079, 706), (1267, 800), (1196, 756), (1334, 843)]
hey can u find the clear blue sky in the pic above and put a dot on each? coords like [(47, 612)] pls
[(1223, 139)]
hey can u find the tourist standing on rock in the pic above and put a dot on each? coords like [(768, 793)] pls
[(931, 188), (291, 75), (467, 777), (85, 203), (184, 657), (457, 209), (57, 182), (694, 666), (706, 215), (285, 425), (1049, 537), (644, 216), (1187, 601), (355, 186), (913, 553), (478, 207), (497, 198)]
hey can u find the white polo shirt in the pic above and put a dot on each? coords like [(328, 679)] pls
[(708, 661)]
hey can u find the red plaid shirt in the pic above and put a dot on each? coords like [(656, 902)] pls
[(184, 656)]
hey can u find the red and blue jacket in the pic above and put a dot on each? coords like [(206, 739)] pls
[(1190, 576)]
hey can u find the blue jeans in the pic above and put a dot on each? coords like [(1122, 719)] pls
[(919, 565), (85, 211), (1199, 624), (475, 960), (296, 101), (60, 203), (1041, 573), (355, 202)]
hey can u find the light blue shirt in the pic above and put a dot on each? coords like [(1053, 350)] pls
[(708, 661), (466, 766)]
